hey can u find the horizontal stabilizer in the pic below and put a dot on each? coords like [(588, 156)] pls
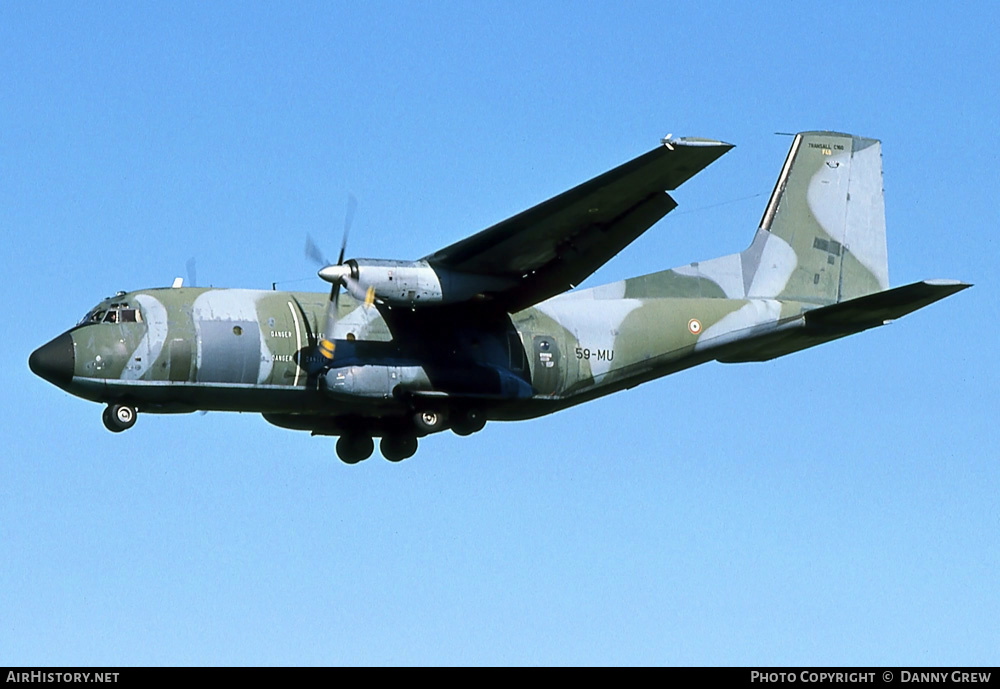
[(879, 308), (839, 320)]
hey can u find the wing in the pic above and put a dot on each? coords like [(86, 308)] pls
[(555, 245)]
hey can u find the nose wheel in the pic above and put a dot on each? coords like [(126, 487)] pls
[(119, 417)]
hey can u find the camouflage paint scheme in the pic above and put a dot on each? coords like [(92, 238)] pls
[(816, 270)]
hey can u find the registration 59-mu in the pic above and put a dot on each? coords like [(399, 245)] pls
[(599, 354)]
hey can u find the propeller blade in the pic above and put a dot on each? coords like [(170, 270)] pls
[(355, 289), (352, 206), (337, 274), (313, 252), (326, 345), (192, 271)]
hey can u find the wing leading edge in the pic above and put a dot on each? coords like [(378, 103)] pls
[(554, 246)]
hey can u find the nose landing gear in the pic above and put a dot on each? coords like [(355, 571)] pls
[(119, 417)]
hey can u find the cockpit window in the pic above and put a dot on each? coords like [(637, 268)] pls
[(93, 316), (117, 313)]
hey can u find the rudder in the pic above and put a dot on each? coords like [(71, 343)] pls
[(828, 206)]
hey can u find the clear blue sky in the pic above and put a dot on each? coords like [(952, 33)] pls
[(839, 506)]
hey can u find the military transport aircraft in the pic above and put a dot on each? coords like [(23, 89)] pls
[(486, 329)]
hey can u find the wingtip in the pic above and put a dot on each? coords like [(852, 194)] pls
[(693, 141), (942, 282)]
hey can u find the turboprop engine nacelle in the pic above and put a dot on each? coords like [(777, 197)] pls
[(405, 283), (375, 382)]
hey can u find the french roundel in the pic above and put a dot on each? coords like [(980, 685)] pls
[(694, 325)]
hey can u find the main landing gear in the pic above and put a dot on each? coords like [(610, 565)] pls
[(427, 422), (396, 448), (401, 436), (355, 447), (468, 422), (119, 417)]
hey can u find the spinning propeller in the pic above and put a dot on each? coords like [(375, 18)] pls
[(338, 274)]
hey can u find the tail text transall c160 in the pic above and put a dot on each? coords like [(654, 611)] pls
[(487, 328)]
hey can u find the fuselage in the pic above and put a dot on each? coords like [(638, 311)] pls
[(186, 349)]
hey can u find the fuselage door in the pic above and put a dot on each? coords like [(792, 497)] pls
[(515, 350), (180, 360), (547, 365)]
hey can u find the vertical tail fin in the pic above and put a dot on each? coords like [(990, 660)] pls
[(828, 207)]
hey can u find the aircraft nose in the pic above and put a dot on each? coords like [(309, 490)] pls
[(54, 360)]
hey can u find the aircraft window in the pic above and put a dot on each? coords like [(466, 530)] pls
[(118, 313)]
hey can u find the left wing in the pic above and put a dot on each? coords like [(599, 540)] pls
[(555, 245)]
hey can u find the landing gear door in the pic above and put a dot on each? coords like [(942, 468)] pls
[(547, 365)]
